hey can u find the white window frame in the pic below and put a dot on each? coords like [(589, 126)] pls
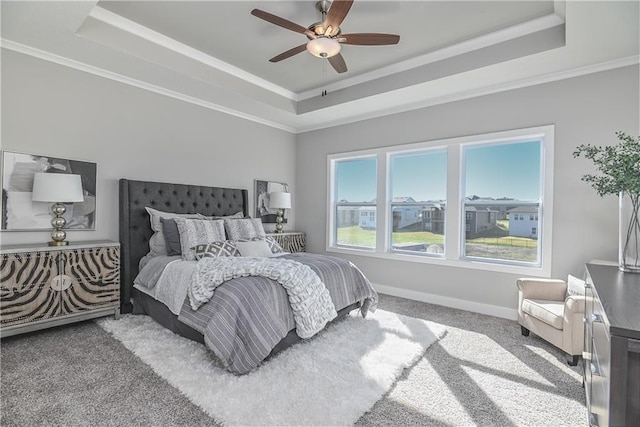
[(454, 219)]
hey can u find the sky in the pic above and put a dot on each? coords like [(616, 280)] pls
[(500, 170)]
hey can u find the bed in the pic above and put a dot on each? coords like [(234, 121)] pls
[(348, 288)]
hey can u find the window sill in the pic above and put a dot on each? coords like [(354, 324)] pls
[(434, 260)]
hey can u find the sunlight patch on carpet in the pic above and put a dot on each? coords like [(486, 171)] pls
[(331, 379)]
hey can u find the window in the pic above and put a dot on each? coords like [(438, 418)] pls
[(503, 176), (481, 201), (355, 208), (417, 192)]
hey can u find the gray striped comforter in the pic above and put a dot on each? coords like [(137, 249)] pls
[(248, 316)]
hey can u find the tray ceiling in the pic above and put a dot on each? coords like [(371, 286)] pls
[(215, 53)]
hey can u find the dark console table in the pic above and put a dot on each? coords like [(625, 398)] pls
[(612, 346)]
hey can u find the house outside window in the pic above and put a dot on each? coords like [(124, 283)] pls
[(355, 190), (418, 187), (473, 202)]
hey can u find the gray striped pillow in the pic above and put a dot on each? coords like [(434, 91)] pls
[(194, 232)]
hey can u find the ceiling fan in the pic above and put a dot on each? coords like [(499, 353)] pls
[(325, 37)]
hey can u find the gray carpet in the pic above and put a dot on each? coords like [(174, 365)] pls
[(483, 372)]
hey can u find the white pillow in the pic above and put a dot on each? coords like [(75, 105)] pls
[(254, 248), (575, 286), (157, 243), (194, 232)]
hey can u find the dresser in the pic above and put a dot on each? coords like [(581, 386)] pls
[(43, 286), (291, 241), (612, 346)]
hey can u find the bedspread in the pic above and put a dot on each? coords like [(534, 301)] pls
[(308, 297), (248, 316)]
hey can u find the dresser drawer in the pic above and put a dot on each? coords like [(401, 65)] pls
[(26, 294), (94, 278), (20, 271), (28, 303), (601, 351)]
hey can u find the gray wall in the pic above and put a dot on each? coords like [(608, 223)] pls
[(586, 109), (131, 133), (53, 110)]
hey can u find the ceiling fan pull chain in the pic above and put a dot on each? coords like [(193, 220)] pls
[(324, 76)]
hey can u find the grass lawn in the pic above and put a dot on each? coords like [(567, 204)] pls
[(357, 236)]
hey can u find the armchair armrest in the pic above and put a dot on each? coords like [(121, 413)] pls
[(574, 304), (547, 289)]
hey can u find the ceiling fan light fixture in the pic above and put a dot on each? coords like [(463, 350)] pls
[(324, 47)]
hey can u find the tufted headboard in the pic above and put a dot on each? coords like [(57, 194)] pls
[(135, 227)]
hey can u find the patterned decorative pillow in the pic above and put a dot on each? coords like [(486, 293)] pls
[(575, 286), (216, 249), (274, 245), (194, 232), (244, 228)]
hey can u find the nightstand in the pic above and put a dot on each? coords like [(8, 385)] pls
[(43, 286), (291, 241)]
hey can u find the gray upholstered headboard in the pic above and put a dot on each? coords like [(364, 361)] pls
[(135, 227)]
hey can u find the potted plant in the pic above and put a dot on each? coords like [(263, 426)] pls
[(619, 167)]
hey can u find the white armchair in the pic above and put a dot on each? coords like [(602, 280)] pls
[(554, 311)]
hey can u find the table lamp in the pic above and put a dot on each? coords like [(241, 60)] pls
[(58, 188), (279, 200)]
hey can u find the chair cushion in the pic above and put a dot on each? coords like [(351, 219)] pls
[(549, 312)]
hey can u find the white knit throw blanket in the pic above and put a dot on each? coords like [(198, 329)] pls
[(308, 296)]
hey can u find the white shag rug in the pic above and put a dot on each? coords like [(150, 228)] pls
[(331, 379)]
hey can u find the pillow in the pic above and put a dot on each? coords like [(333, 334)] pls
[(171, 236), (575, 286), (157, 244), (272, 243), (254, 248), (216, 249), (194, 232), (244, 228), (235, 215)]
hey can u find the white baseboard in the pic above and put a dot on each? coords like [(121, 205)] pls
[(476, 307)]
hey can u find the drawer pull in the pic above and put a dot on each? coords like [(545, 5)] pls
[(593, 419), (596, 318), (594, 370)]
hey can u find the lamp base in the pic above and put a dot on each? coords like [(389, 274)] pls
[(58, 222), (279, 221)]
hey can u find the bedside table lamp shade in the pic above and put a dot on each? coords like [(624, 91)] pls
[(279, 200), (58, 188)]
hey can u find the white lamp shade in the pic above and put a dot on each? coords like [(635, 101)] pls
[(280, 200), (57, 188)]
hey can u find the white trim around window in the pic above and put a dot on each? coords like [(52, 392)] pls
[(454, 215)]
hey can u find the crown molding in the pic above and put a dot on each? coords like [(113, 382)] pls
[(152, 36), (547, 78), (80, 66)]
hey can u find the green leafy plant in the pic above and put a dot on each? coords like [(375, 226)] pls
[(619, 173)]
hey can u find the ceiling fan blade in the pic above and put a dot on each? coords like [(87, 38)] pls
[(284, 55), (281, 22), (337, 62), (369, 39), (336, 14)]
